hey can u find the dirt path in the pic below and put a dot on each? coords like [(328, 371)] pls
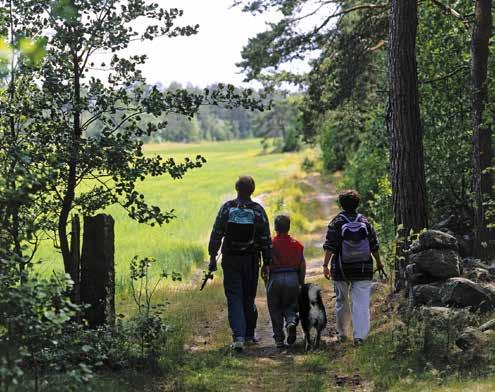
[(262, 366)]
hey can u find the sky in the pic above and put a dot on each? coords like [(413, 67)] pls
[(207, 57)]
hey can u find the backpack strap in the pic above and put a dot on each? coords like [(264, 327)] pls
[(345, 217), (358, 217)]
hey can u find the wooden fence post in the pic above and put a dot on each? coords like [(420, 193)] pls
[(75, 250), (98, 270)]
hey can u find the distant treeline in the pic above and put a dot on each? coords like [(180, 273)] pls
[(216, 123)]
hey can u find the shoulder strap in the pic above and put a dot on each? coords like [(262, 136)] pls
[(358, 217), (345, 217)]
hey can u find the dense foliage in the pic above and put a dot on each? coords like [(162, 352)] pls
[(346, 93), (215, 123)]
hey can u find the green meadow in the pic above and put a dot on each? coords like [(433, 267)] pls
[(181, 244)]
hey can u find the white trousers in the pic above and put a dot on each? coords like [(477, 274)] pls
[(355, 296)]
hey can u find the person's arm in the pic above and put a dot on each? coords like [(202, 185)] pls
[(265, 269), (375, 247), (378, 261), (328, 258), (216, 237), (330, 246), (302, 271), (265, 239)]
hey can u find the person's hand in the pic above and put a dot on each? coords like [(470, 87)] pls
[(212, 267), (265, 272), (326, 272)]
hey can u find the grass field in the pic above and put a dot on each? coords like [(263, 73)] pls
[(181, 244)]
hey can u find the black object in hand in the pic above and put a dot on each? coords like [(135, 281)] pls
[(208, 276)]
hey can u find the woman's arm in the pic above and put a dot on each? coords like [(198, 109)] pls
[(328, 257)]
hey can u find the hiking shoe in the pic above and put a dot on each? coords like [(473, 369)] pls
[(237, 346), (341, 339), (281, 346), (291, 333), (358, 342)]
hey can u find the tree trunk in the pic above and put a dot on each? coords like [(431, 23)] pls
[(404, 122), (482, 134), (71, 181)]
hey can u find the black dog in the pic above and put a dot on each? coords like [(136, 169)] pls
[(312, 313)]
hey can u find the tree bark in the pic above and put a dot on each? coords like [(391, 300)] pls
[(404, 122), (71, 181), (482, 133)]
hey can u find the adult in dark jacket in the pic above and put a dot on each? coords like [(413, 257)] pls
[(351, 280), (243, 226)]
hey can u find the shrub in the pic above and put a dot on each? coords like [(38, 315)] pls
[(308, 165), (34, 315), (429, 336)]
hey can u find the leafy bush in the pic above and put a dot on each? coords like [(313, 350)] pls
[(45, 344), (308, 165), (430, 337), (34, 315), (148, 328)]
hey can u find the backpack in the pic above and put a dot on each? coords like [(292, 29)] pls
[(240, 231), (355, 241)]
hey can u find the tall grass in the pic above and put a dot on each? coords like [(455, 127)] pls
[(181, 244)]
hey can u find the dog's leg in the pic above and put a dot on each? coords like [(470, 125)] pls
[(317, 339), (307, 337)]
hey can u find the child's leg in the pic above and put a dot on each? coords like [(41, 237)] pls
[(342, 308), (274, 292), (291, 297), (361, 293)]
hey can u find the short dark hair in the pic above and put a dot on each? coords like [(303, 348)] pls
[(282, 224), (245, 185), (349, 200)]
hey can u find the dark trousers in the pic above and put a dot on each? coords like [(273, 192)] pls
[(240, 282), (282, 296)]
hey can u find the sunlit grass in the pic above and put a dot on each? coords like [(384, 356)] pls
[(181, 244)]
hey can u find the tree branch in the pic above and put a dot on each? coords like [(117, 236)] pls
[(449, 10), (447, 76), (349, 10), (299, 18)]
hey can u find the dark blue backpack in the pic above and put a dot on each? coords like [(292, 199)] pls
[(240, 231)]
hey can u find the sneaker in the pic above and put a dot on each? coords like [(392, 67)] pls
[(281, 346), (237, 346), (291, 333), (358, 342)]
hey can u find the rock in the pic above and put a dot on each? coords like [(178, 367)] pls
[(434, 239), (479, 275), (426, 294), (437, 314), (439, 263), (414, 277), (450, 224), (489, 325), (466, 245), (471, 262), (464, 293), (471, 339)]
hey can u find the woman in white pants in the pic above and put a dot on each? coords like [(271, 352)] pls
[(350, 244)]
